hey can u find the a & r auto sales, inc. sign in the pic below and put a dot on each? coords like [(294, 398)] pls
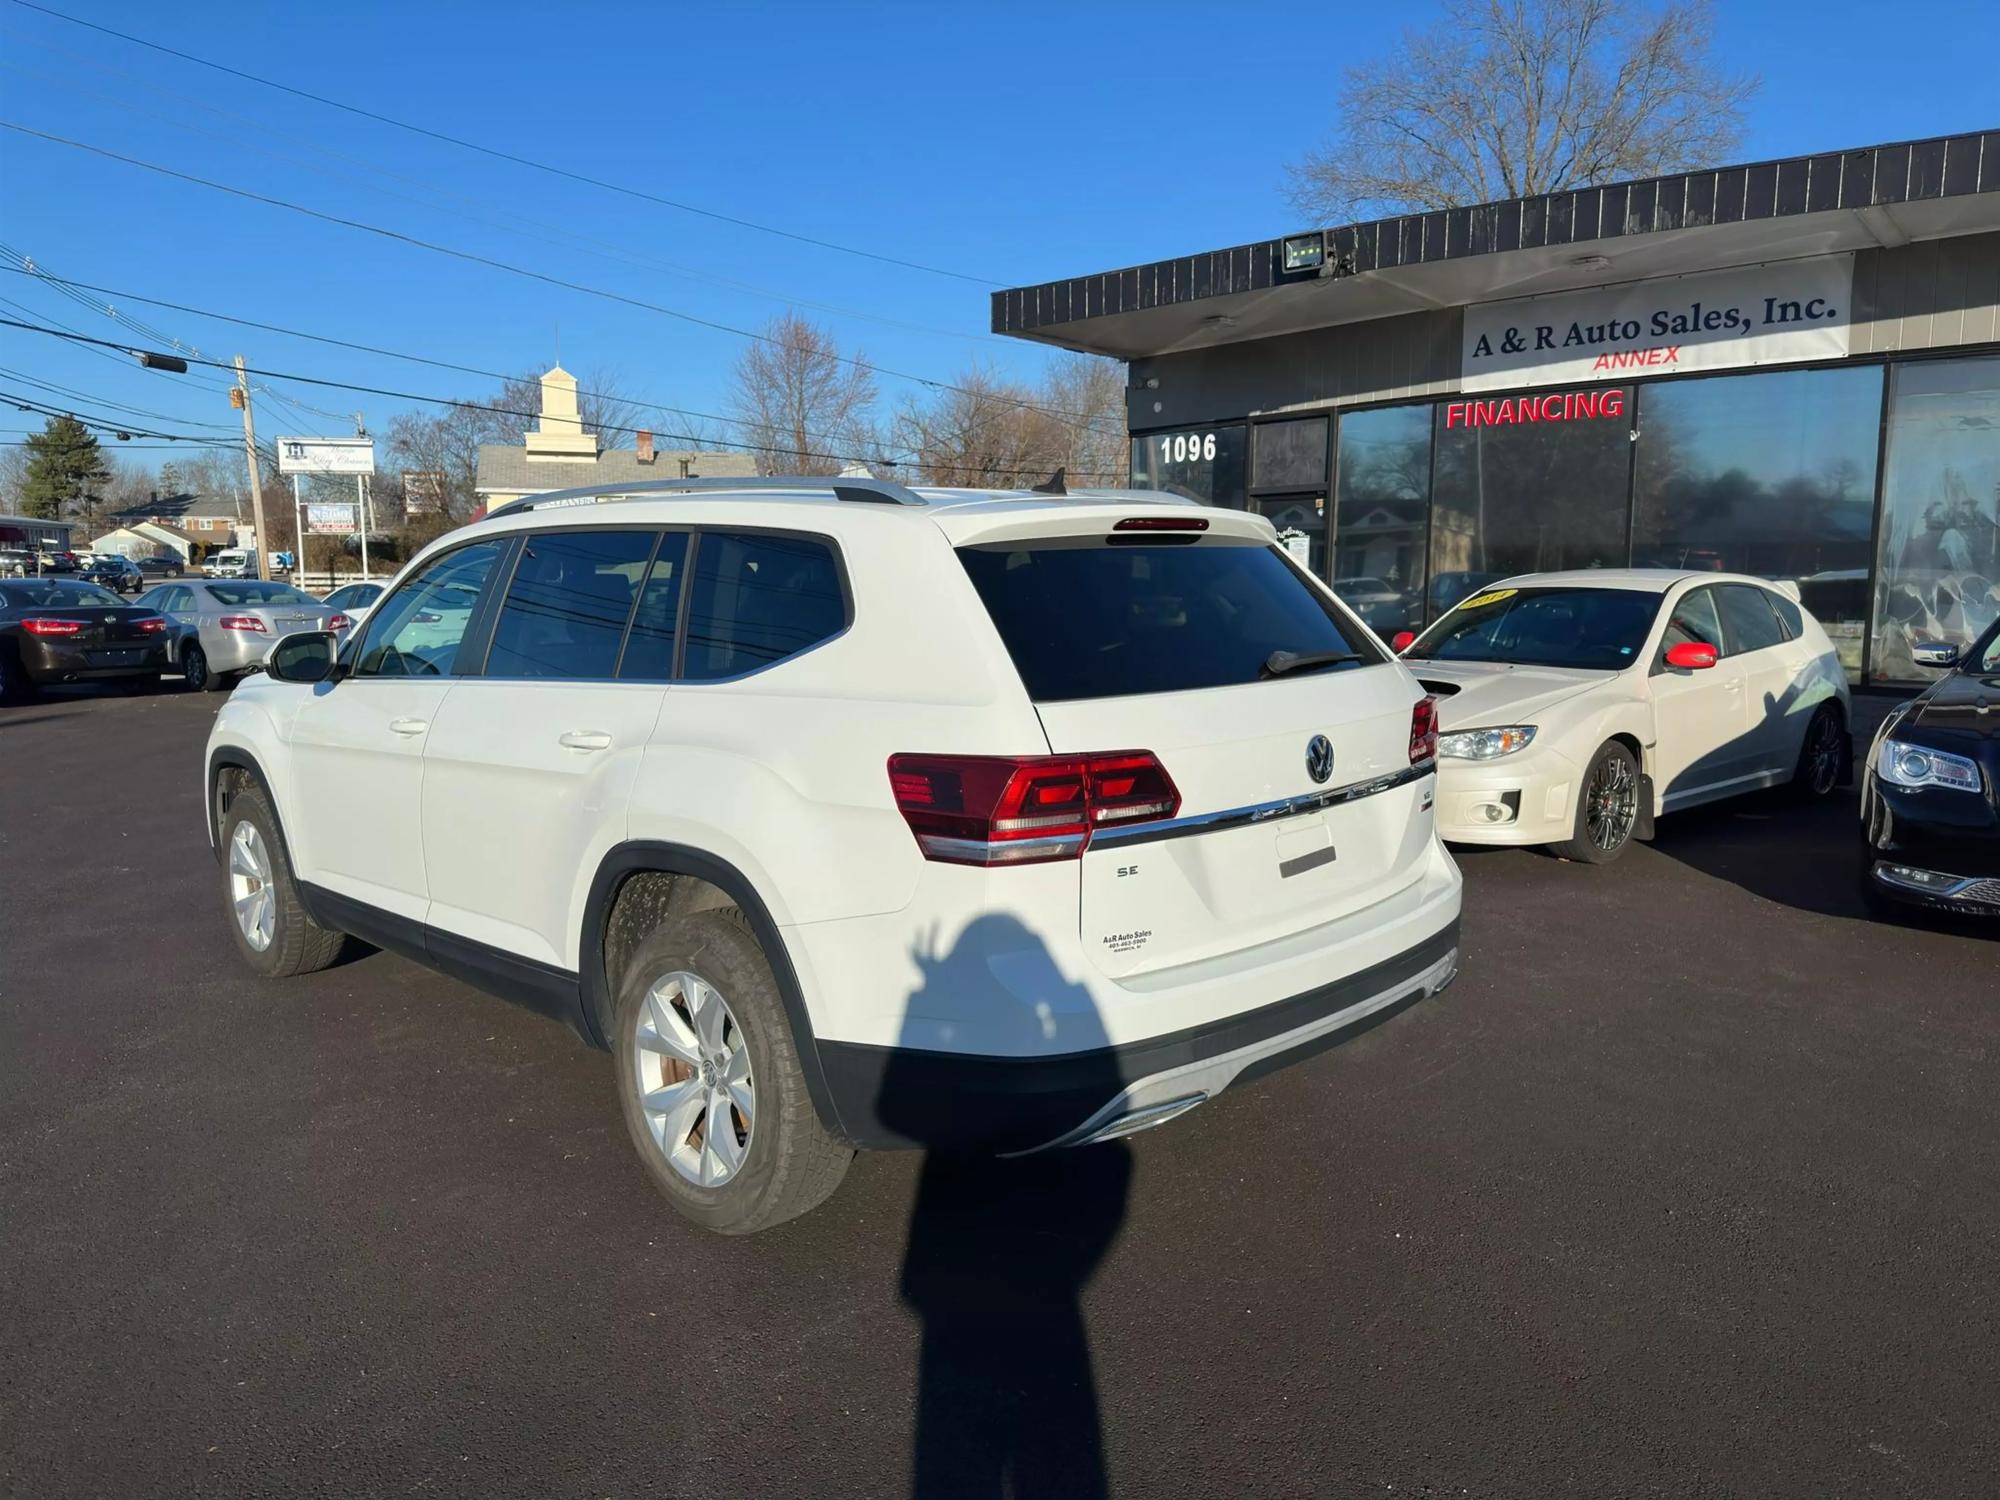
[(1778, 313)]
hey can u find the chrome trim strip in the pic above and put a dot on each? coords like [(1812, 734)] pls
[(1262, 812), (999, 851)]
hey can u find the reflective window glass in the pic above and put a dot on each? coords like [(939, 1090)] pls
[(1291, 455), (1695, 621), (1939, 561), (566, 607), (757, 599), (649, 648), (1528, 483), (1771, 474), (417, 630), (1382, 494), (1202, 463), (1747, 618)]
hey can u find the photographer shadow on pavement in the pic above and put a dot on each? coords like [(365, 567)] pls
[(1000, 1249)]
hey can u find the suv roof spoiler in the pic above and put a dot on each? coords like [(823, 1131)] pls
[(863, 491)]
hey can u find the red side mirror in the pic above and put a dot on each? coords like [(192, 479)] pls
[(1692, 655), (1402, 640)]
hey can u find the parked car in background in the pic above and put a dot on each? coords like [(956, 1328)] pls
[(355, 599), (1575, 707), (227, 626), (162, 567), (16, 562), (1930, 793), (119, 574), (65, 630), (230, 562), (52, 560), (988, 821)]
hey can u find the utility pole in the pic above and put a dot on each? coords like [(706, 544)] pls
[(240, 398)]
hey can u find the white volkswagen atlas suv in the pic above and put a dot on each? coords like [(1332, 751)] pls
[(846, 815)]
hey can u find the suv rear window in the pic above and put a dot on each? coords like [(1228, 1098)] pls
[(1083, 618)]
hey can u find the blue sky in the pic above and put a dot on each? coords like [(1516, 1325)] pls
[(1012, 142)]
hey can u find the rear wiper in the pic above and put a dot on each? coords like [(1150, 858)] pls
[(1279, 662)]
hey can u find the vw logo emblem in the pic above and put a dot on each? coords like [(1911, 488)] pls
[(1319, 757)]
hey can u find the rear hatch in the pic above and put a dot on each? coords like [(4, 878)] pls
[(1173, 643)]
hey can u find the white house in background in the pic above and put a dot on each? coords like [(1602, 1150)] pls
[(562, 454), (147, 539)]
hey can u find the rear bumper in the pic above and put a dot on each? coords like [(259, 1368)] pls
[(50, 659), (236, 650), (890, 1098)]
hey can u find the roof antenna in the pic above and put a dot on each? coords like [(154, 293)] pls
[(1054, 484)]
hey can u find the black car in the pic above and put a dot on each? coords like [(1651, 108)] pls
[(64, 630), (1930, 797), (119, 574), (161, 567)]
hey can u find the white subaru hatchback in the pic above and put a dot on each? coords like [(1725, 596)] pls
[(847, 815), (1576, 707)]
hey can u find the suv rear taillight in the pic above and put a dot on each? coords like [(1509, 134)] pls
[(1014, 810), (242, 622), (1424, 731)]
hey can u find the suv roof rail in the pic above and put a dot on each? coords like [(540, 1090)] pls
[(864, 491)]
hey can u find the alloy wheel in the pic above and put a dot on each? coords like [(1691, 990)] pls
[(250, 887), (693, 1069), (1611, 802), (194, 667)]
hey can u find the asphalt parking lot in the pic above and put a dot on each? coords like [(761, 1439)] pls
[(1690, 1185)]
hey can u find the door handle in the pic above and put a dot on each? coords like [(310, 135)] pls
[(409, 726), (585, 739)]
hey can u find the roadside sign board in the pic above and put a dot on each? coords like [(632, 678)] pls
[(311, 455), (329, 520)]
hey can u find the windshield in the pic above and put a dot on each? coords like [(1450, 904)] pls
[(252, 592), (1596, 629), (61, 596)]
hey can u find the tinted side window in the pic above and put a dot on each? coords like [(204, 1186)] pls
[(417, 630), (1694, 621), (1747, 616), (566, 608), (757, 600), (1789, 615), (649, 648)]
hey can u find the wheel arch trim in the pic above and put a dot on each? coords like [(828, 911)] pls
[(651, 856)]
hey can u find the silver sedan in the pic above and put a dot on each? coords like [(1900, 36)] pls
[(228, 625)]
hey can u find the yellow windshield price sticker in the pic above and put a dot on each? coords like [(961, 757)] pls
[(1491, 596)]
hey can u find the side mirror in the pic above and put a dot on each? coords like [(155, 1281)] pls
[(306, 657), (1691, 656), (1940, 654), (1402, 640)]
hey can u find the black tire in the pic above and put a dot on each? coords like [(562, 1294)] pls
[(1823, 756), (298, 944), (792, 1162), (194, 667), (1607, 808)]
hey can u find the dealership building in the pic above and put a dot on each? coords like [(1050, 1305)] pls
[(1789, 368)]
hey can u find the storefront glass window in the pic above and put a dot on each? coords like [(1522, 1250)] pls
[(1202, 463), (1528, 483), (1770, 474), (1382, 495), (1291, 455), (1939, 576)]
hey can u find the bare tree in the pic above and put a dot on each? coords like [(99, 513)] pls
[(983, 431), (1088, 392), (799, 403), (1506, 98)]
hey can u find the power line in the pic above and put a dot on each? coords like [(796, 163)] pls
[(74, 394), (504, 411), (339, 343), (508, 223), (103, 424), (473, 258), (508, 156)]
